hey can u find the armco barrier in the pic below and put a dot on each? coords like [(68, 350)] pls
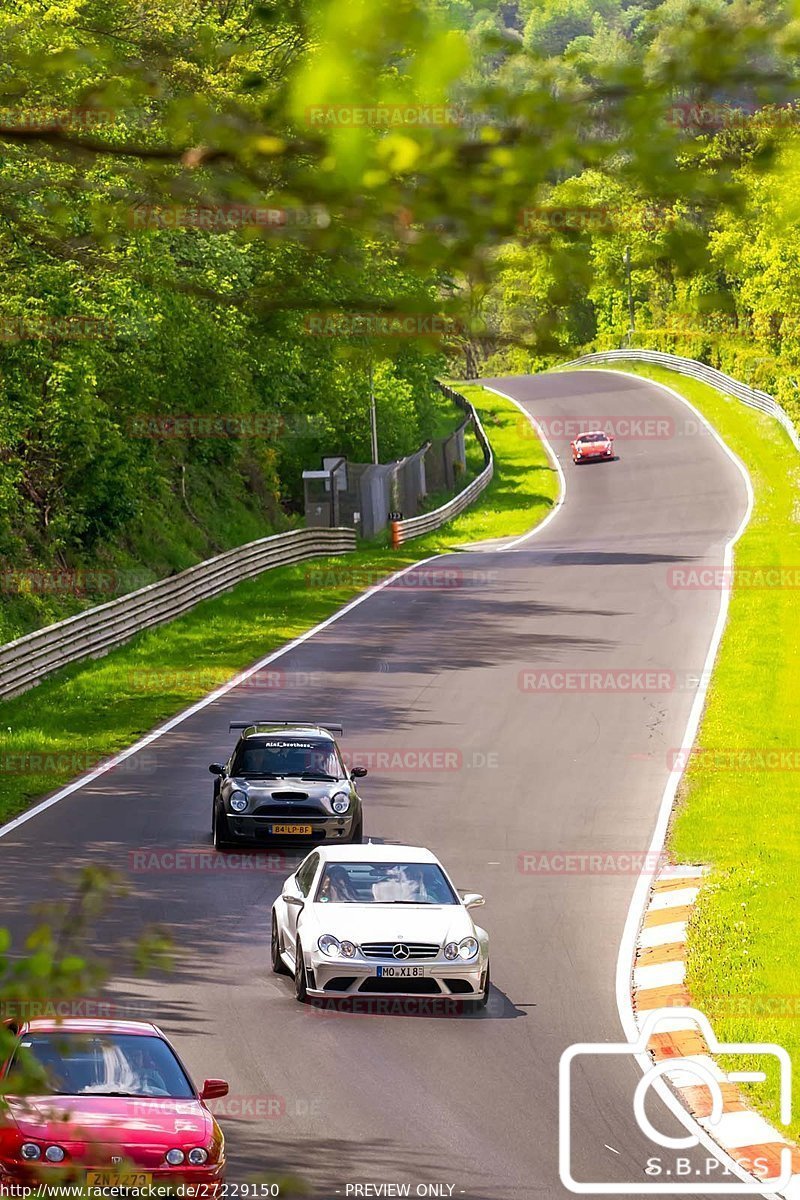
[(93, 632), (697, 370), (413, 527)]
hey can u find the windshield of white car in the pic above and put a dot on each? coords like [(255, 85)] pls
[(82, 1064), (384, 883), (281, 757)]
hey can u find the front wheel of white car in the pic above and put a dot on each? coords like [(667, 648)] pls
[(300, 991), (278, 965)]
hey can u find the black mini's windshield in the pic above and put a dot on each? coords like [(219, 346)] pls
[(279, 757)]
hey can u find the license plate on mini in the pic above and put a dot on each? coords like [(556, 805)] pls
[(128, 1179), (401, 972), (291, 830)]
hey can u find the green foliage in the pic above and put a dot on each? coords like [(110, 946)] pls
[(58, 970)]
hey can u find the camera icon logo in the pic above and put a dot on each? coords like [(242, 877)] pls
[(699, 1073)]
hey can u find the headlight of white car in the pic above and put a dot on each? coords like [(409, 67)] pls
[(340, 802), (238, 801), (333, 948), (467, 948)]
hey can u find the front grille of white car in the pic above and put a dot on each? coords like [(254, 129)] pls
[(415, 950)]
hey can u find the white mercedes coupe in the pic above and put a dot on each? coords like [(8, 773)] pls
[(375, 921)]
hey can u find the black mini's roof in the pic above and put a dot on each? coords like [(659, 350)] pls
[(298, 728)]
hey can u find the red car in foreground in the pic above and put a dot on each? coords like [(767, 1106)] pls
[(589, 446), (120, 1110)]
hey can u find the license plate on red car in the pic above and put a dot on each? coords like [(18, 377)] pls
[(124, 1179)]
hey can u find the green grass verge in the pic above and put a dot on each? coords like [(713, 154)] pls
[(744, 937), (91, 710)]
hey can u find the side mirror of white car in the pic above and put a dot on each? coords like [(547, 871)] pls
[(289, 898), (471, 899)]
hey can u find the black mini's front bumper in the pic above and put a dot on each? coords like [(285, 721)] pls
[(323, 828)]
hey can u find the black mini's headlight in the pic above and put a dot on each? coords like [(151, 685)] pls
[(340, 802), (238, 802)]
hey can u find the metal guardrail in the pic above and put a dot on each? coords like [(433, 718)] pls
[(92, 633), (697, 370), (413, 527)]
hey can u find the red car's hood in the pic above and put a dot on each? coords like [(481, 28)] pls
[(103, 1118)]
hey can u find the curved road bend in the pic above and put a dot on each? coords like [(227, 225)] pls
[(468, 1102)]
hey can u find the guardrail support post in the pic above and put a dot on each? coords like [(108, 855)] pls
[(397, 536)]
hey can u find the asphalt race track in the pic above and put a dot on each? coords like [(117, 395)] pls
[(434, 664)]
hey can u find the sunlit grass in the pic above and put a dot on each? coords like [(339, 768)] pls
[(91, 710)]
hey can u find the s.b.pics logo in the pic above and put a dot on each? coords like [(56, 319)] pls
[(701, 1154)]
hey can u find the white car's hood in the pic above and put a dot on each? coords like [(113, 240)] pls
[(390, 922)]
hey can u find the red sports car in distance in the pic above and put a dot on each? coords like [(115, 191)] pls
[(589, 446), (119, 1110)]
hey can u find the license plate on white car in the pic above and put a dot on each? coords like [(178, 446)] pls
[(401, 972)]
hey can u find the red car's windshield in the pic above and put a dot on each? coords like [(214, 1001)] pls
[(83, 1064), (593, 437)]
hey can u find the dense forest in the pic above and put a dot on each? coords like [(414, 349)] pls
[(713, 268), (220, 219)]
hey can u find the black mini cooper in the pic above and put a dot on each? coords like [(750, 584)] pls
[(285, 782)]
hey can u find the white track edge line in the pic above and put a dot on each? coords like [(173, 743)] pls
[(638, 905), (205, 701)]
